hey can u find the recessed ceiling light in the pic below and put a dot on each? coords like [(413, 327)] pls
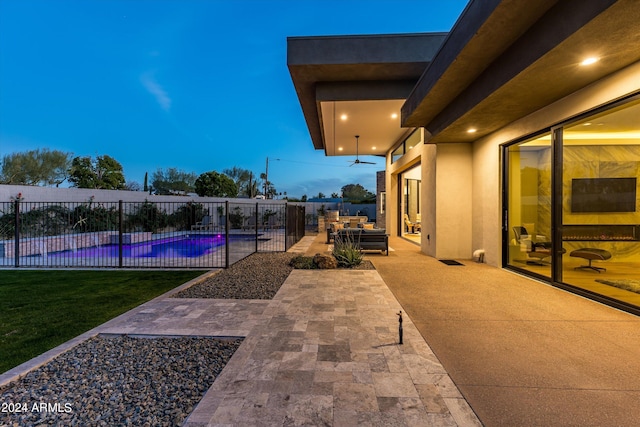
[(339, 148), (343, 117), (472, 130), (590, 60), (394, 116), (373, 148)]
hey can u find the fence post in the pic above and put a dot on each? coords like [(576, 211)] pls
[(256, 221), (287, 230), (16, 247), (226, 234), (120, 226)]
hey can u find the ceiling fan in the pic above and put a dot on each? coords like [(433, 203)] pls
[(357, 161)]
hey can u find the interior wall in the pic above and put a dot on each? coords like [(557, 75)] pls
[(454, 200)]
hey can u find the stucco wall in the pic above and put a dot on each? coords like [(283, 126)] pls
[(454, 167), (51, 194)]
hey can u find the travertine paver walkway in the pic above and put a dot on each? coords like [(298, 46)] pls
[(324, 351)]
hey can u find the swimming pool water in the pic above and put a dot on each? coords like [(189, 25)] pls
[(172, 247)]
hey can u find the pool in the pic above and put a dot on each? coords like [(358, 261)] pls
[(187, 246), (143, 250)]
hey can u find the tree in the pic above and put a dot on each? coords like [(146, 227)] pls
[(146, 182), (104, 173), (133, 186), (321, 195), (245, 181), (173, 181), (335, 196), (356, 192), (35, 167), (214, 184), (269, 189)]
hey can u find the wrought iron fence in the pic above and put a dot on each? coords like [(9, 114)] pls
[(143, 234)]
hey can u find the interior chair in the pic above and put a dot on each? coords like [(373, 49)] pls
[(536, 251), (412, 227)]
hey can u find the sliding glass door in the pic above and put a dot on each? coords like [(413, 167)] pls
[(600, 203), (571, 205), (528, 205)]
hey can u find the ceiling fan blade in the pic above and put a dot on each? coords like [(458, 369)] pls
[(368, 163)]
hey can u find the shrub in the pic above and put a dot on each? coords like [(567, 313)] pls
[(302, 262), (347, 251)]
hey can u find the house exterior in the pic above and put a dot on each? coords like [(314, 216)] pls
[(517, 133)]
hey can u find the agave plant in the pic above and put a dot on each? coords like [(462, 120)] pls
[(346, 249)]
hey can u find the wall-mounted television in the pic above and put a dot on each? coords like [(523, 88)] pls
[(603, 195)]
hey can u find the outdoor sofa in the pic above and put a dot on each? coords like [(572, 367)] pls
[(375, 239)]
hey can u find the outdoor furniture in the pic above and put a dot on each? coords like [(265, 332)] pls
[(205, 224), (366, 239), (591, 254), (249, 223), (332, 230)]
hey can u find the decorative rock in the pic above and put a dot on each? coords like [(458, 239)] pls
[(155, 390), (325, 262)]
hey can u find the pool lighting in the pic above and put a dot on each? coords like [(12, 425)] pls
[(472, 130)]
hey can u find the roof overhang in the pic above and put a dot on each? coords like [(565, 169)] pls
[(351, 85), (506, 59)]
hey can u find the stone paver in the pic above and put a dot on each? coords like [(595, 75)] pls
[(324, 351)]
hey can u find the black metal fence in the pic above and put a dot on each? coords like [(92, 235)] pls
[(144, 234)]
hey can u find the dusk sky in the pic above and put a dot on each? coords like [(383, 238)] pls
[(196, 85)]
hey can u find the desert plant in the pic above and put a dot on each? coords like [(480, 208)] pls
[(302, 262), (346, 250)]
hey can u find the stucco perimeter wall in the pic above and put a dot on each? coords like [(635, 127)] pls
[(486, 151), (454, 178), (32, 193)]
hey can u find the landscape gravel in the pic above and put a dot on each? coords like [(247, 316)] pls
[(258, 276), (118, 380)]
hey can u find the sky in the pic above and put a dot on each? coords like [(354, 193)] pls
[(196, 85)]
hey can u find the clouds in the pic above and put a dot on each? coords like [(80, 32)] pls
[(149, 82)]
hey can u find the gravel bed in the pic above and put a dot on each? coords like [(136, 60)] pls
[(118, 380), (258, 276)]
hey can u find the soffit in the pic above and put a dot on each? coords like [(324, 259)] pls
[(541, 67), (369, 77)]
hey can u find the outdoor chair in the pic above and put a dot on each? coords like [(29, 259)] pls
[(205, 224)]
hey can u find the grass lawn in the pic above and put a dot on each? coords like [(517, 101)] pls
[(40, 310)]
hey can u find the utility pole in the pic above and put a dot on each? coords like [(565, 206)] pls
[(266, 179)]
